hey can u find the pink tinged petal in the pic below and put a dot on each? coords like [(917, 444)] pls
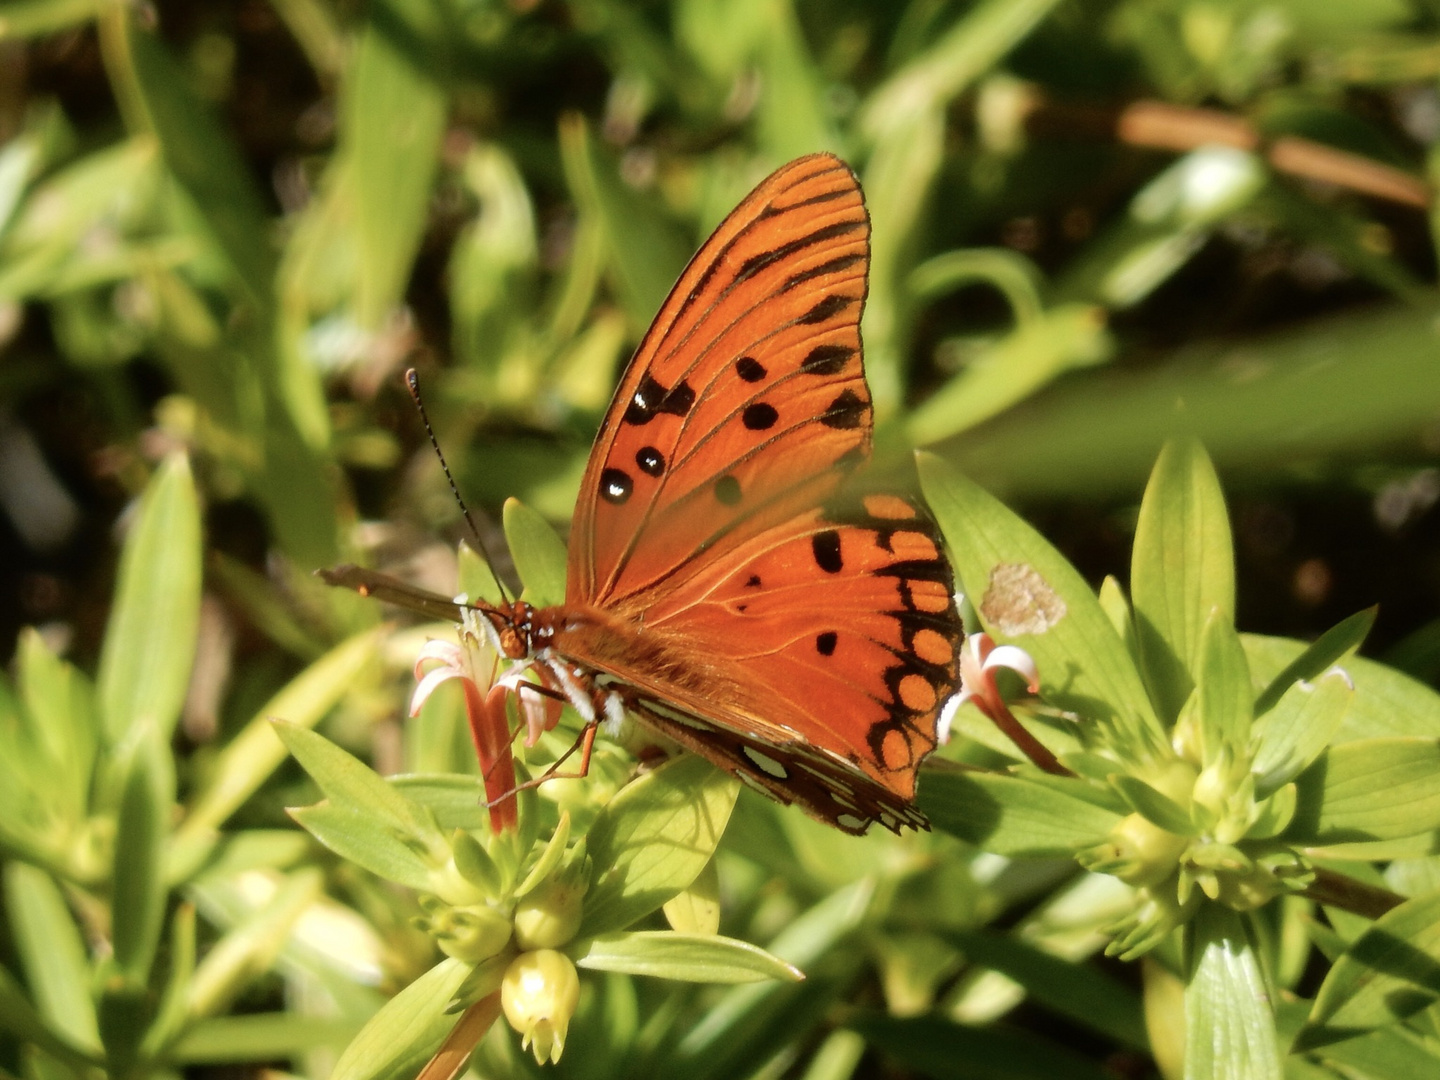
[(445, 652), (428, 684), (1018, 661), (541, 713)]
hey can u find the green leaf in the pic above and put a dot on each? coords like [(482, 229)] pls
[(1229, 1025), (170, 1011), (1182, 569), (1387, 702), (1298, 729), (1388, 973), (645, 252), (357, 794), (538, 552), (1031, 355), (1369, 790), (1220, 707), (749, 1024), (392, 119), (935, 1047), (249, 949), (367, 840), (150, 639), (1390, 1053), (50, 945), (665, 954), (407, 1030), (696, 908), (653, 839), (60, 708), (199, 153), (1015, 815), (137, 906), (457, 801), (1028, 595), (1081, 992), (19, 1018), (258, 1037), (31, 18), (254, 754), (1331, 647)]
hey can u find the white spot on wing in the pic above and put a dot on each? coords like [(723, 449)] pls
[(766, 764)]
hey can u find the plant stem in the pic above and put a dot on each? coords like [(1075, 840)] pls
[(1346, 893)]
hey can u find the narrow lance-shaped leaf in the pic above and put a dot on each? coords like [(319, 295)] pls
[(1298, 729), (1368, 790), (137, 909), (150, 640), (653, 839), (1388, 973), (1027, 594), (409, 1027), (538, 552), (50, 945), (1182, 569), (1229, 1023), (60, 708), (257, 751), (1015, 815), (1331, 647), (1220, 707), (689, 957)]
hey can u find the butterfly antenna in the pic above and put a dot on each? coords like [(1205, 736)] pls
[(412, 382)]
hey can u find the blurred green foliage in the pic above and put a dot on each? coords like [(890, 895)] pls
[(226, 227)]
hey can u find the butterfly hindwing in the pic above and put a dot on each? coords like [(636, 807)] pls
[(744, 396)]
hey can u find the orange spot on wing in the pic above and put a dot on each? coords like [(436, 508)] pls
[(917, 693), (895, 751), (913, 545), (932, 647), (888, 507), (929, 596)]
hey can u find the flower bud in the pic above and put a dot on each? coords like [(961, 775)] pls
[(539, 993), (1144, 852), (549, 915), (471, 934)]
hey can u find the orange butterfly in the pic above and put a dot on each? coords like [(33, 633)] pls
[(716, 591)]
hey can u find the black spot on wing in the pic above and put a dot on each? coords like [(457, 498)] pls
[(759, 416), (615, 486), (826, 308), (826, 359), (845, 412), (750, 369), (825, 546), (825, 643), (650, 460)]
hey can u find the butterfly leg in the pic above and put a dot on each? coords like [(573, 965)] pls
[(585, 744)]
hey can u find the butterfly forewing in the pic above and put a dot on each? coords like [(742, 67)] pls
[(743, 398)]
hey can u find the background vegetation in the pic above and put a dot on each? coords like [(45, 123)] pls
[(226, 227)]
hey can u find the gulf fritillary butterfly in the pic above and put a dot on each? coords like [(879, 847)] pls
[(717, 589)]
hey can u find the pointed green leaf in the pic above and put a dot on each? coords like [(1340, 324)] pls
[(150, 639), (50, 945), (254, 754), (19, 1018), (644, 251), (1015, 815), (696, 908), (249, 949), (1389, 972), (1329, 648), (1081, 992), (539, 554), (170, 1011), (1387, 702), (369, 841), (392, 119), (1369, 790), (60, 707), (1223, 695), (665, 954), (353, 786), (137, 906), (1182, 568), (1028, 595), (227, 1040), (653, 839), (1229, 1024), (407, 1030), (1298, 729)]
